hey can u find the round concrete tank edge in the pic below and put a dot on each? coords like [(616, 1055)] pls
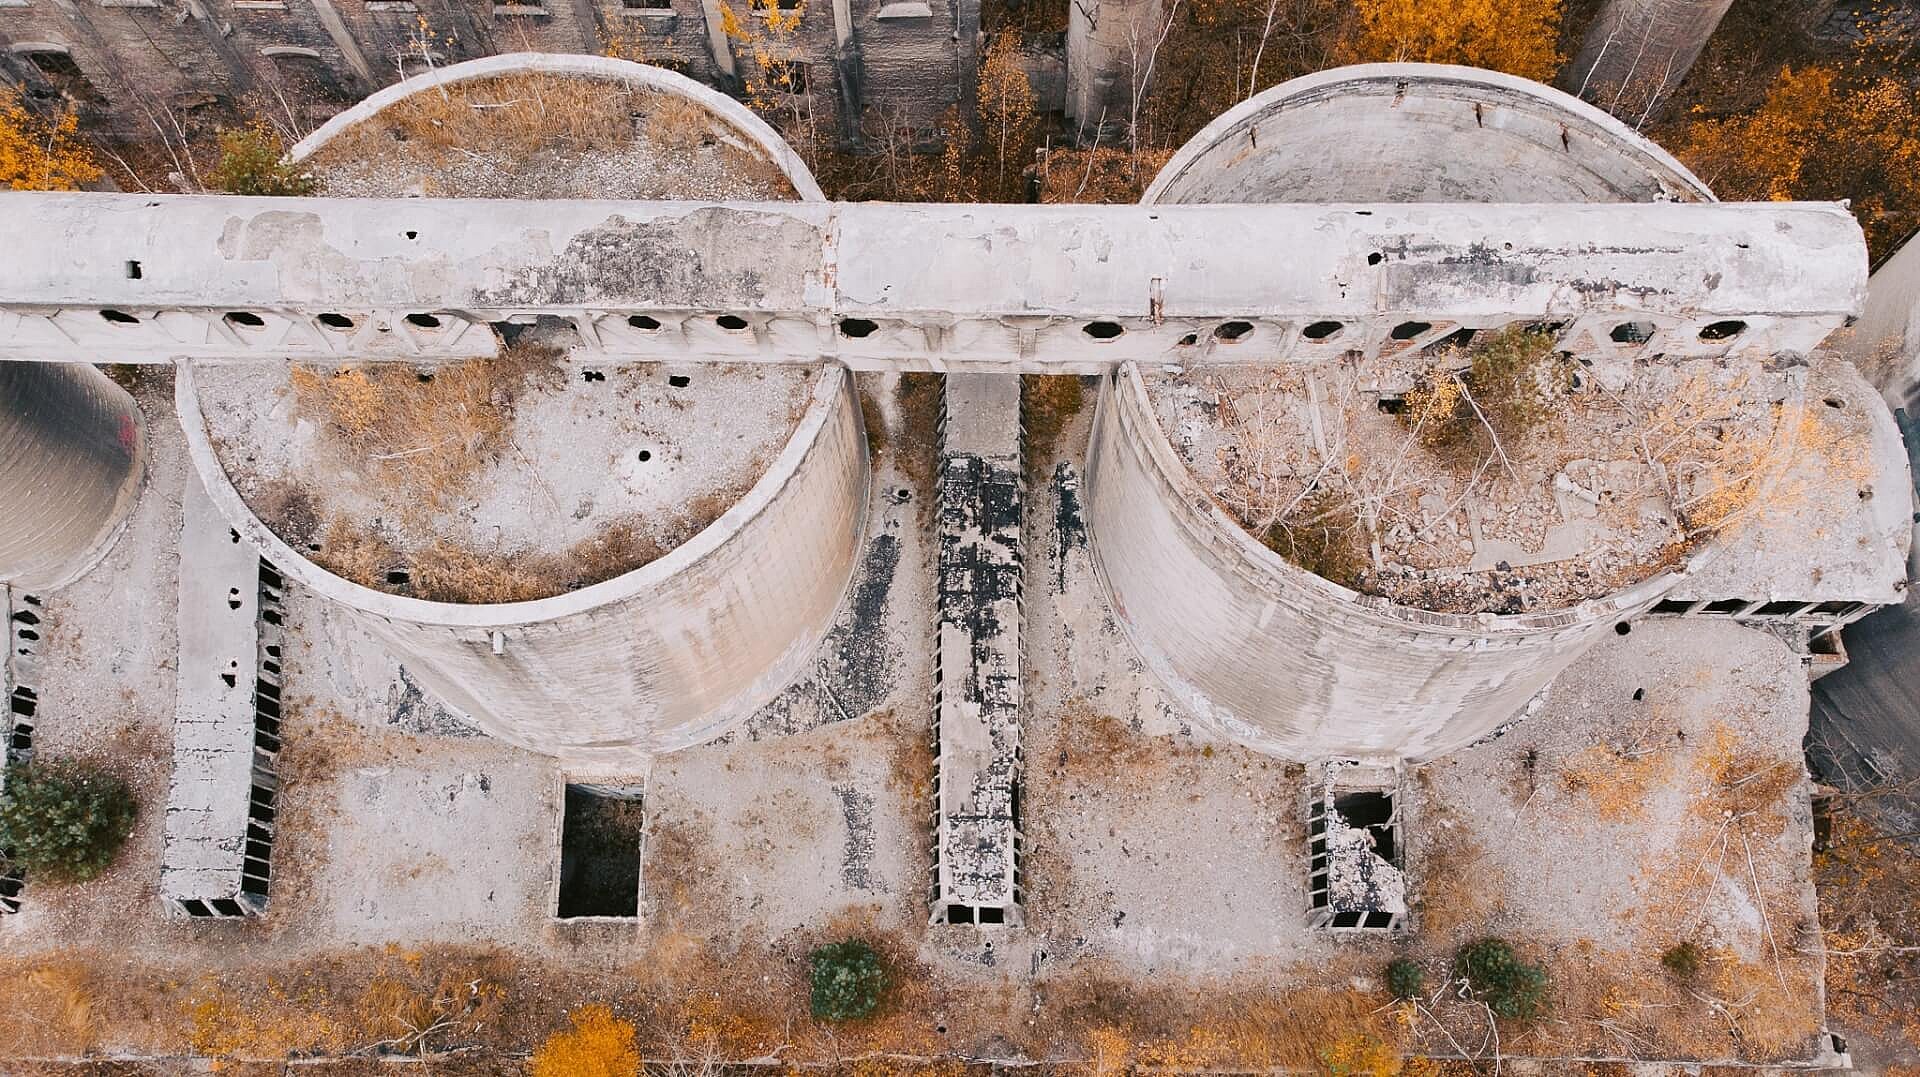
[(764, 137), (1396, 76)]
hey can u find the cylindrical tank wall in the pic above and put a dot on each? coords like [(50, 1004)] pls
[(1280, 659), (72, 455), (1636, 52), (1271, 654), (1419, 133), (1103, 39), (663, 657)]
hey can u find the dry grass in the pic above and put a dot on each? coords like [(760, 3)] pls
[(422, 432), (521, 114), (1617, 782), (1047, 405), (443, 572), (355, 553), (677, 124), (921, 399)]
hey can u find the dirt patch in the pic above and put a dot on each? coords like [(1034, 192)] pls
[(546, 136)]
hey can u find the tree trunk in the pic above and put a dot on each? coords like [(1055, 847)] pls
[(1637, 51)]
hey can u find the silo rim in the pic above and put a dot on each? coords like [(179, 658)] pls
[(1277, 96), (828, 389), (609, 68)]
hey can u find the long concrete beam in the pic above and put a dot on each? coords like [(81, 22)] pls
[(142, 278)]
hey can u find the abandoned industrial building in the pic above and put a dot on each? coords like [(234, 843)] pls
[(641, 561)]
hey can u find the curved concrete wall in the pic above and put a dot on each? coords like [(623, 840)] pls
[(72, 455), (740, 117), (1275, 656), (1420, 133), (666, 656), (1280, 659)]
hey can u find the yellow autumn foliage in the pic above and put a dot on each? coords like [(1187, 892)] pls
[(1520, 37), (39, 154), (1822, 133), (598, 1045)]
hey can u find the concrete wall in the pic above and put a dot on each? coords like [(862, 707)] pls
[(1110, 46), (1280, 659), (1636, 53), (663, 657), (72, 456), (1419, 133)]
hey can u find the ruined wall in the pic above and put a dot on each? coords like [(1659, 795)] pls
[(1280, 659), (666, 656), (135, 66), (72, 455), (1109, 44)]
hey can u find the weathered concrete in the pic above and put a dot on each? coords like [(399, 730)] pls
[(978, 698), (1052, 285), (668, 655), (1419, 133), (214, 767), (1636, 52), (1281, 659), (1111, 48), (72, 456)]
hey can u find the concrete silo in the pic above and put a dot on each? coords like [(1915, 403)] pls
[(726, 503), (1279, 657), (72, 455)]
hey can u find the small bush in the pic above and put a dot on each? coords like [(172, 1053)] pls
[(64, 822), (1509, 986), (253, 162), (1684, 960), (1324, 535), (1360, 1054), (598, 1045), (848, 981), (1513, 375), (1404, 978)]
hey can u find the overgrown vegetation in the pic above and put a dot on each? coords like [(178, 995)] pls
[(1323, 534), (64, 821), (1512, 379), (1405, 977), (1511, 987), (40, 153), (597, 1045), (253, 162), (849, 981)]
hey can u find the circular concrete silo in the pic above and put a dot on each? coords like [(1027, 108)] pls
[(72, 456), (705, 518), (1276, 656)]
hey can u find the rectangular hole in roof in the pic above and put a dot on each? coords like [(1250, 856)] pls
[(600, 843)]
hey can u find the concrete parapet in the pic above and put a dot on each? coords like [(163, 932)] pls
[(72, 456), (1287, 662), (1420, 133), (666, 656)]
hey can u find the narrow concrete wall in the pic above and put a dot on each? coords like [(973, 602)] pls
[(1280, 659), (1420, 133), (72, 455), (666, 656)]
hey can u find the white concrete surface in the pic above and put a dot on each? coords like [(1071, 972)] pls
[(981, 287), (213, 730)]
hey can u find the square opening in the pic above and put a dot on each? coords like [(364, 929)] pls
[(600, 844)]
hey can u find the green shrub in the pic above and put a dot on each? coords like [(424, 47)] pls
[(1511, 987), (848, 981), (1683, 960), (1404, 978), (252, 161), (63, 822)]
